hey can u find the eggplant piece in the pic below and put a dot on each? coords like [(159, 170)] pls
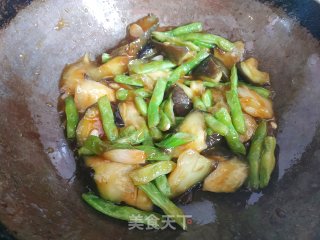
[(217, 148), (227, 177), (117, 115), (176, 54), (149, 24), (230, 58), (182, 104), (148, 51), (249, 71), (211, 69)]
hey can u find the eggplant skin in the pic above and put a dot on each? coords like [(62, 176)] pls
[(182, 104)]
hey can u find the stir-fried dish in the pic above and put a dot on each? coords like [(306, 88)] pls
[(170, 109)]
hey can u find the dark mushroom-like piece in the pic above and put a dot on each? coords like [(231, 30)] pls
[(249, 71), (212, 69), (182, 104), (176, 54)]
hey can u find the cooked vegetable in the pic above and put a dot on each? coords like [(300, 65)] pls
[(249, 69), (88, 92), (163, 37), (194, 125), (175, 140), (156, 99), (215, 125), (74, 74), (198, 104), (232, 137), (151, 171), (229, 58), (212, 70), (207, 98), (251, 126), (141, 105), (263, 92), (128, 156), (188, 28), (90, 124), (163, 185), (141, 92), (254, 104), (267, 162), (182, 104), (186, 67), (163, 114), (122, 212), (221, 42), (234, 103), (164, 203), (107, 117), (115, 66), (105, 57), (191, 169), (72, 117), (114, 184), (134, 80), (176, 54), (140, 67), (122, 94), (227, 177), (254, 154)]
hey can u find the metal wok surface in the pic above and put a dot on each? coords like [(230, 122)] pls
[(39, 188)]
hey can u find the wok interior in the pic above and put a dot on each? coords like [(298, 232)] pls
[(40, 192)]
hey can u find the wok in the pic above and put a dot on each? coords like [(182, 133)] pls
[(39, 187)]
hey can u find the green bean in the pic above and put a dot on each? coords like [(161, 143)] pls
[(151, 171), (207, 84), (93, 145), (254, 154), (179, 120), (215, 125), (155, 133), (122, 94), (156, 100), (163, 185), (232, 137), (175, 140), (133, 80), (163, 202), (198, 104), (122, 212), (141, 92), (168, 110), (221, 42), (141, 105), (105, 57), (107, 117), (164, 124), (153, 153), (260, 90), (134, 138), (234, 103), (127, 131), (203, 44), (153, 66), (163, 37), (72, 117), (189, 28), (209, 131), (268, 160), (207, 98), (186, 67)]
